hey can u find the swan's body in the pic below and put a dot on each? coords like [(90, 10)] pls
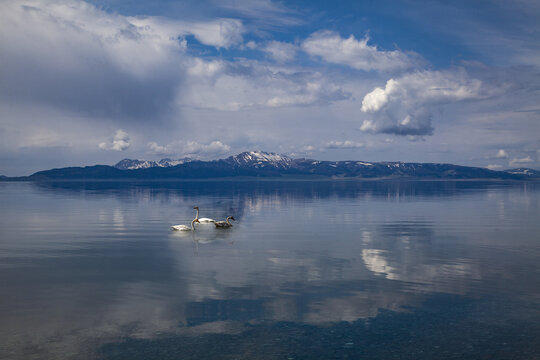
[(185, 227), (224, 224), (206, 220), (203, 220)]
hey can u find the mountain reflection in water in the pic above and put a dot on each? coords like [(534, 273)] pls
[(92, 270)]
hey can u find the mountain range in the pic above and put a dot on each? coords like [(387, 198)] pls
[(129, 164), (265, 164)]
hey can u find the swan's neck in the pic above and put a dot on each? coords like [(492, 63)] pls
[(197, 216), (193, 225), (229, 218)]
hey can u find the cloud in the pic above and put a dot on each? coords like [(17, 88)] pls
[(157, 149), (415, 138), (264, 13), (404, 105), (346, 144), (72, 55), (501, 154), (280, 51), (494, 167), (521, 161), (220, 33), (86, 62), (194, 148), (252, 45), (228, 86), (331, 47), (506, 35), (223, 33), (75, 56), (120, 142)]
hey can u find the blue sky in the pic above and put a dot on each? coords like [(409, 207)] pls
[(95, 82)]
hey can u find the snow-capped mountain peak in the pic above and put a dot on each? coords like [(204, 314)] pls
[(169, 162), (130, 164), (260, 159)]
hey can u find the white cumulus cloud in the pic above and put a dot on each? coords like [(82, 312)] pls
[(280, 51), (120, 142), (331, 47), (157, 149), (194, 148), (404, 105), (501, 154)]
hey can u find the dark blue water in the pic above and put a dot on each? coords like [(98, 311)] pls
[(310, 270)]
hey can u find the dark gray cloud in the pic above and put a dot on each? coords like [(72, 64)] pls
[(71, 55)]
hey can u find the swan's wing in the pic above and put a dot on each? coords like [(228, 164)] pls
[(207, 220)]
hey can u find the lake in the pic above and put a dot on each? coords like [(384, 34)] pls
[(310, 270)]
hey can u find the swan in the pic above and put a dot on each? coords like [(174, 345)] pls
[(185, 227), (203, 220), (225, 224)]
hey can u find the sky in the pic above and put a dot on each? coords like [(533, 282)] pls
[(94, 82)]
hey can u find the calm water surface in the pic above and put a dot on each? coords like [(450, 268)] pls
[(310, 270)]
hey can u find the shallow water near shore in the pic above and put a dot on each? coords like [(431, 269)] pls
[(310, 270)]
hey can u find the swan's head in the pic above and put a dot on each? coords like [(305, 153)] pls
[(196, 207), (197, 220), (232, 218)]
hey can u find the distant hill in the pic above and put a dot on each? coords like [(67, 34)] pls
[(264, 164)]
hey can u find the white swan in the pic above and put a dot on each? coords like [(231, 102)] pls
[(225, 224), (185, 227), (203, 220)]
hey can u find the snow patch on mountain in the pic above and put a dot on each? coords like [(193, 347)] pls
[(524, 171)]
